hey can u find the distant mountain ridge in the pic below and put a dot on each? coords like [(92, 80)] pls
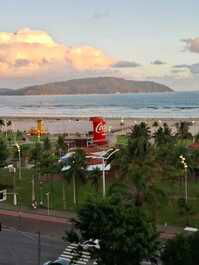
[(95, 85)]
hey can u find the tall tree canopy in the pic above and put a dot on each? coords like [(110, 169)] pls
[(4, 153), (76, 171), (182, 250), (126, 234), (138, 142)]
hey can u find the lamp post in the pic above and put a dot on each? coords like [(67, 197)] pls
[(193, 124), (12, 169), (33, 189), (183, 162), (19, 156), (48, 202), (122, 124)]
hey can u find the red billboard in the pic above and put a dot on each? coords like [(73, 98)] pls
[(99, 130)]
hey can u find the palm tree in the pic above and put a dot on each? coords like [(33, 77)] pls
[(163, 135), (95, 175), (4, 152), (47, 144), (2, 123), (47, 165), (145, 188), (76, 170), (155, 124), (140, 130), (183, 130), (121, 161), (7, 123), (138, 142), (61, 146)]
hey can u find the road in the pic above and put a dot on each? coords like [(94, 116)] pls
[(47, 225), (19, 237), (19, 248)]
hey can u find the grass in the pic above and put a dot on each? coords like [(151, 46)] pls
[(122, 140), (167, 211), (54, 187)]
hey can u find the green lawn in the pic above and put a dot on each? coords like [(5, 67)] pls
[(54, 187), (122, 140), (166, 212)]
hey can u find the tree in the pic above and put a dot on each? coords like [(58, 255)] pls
[(145, 189), (182, 250), (163, 136), (47, 144), (138, 143), (183, 130), (126, 234), (48, 163), (36, 152), (2, 123), (196, 138), (155, 124), (25, 153), (7, 123), (61, 146), (4, 152), (95, 175), (76, 170), (121, 161)]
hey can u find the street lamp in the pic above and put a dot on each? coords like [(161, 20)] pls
[(12, 169), (104, 168), (122, 124), (19, 155), (183, 162), (193, 125), (48, 202)]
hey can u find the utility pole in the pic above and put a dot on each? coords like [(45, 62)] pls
[(48, 202), (39, 248), (19, 155), (33, 188), (12, 169), (184, 163)]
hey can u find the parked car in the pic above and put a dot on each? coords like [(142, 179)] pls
[(57, 262)]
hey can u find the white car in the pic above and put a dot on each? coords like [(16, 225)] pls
[(57, 262)]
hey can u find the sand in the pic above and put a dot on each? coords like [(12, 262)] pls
[(81, 125)]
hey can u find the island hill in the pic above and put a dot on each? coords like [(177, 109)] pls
[(96, 85)]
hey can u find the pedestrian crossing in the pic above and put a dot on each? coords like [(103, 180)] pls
[(82, 257)]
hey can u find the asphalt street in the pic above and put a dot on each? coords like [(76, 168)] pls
[(17, 248), (47, 225)]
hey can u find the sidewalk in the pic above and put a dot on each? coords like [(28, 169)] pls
[(37, 214)]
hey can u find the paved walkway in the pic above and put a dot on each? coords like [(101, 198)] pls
[(35, 216)]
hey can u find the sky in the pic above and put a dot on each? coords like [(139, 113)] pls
[(46, 41)]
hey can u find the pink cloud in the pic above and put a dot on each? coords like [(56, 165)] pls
[(28, 52)]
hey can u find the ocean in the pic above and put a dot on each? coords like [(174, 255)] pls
[(143, 105)]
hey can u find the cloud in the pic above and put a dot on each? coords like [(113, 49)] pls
[(31, 52), (194, 68), (125, 64), (177, 71), (158, 62), (192, 44), (100, 14), (22, 62)]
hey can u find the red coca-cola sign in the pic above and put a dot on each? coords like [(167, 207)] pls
[(99, 130)]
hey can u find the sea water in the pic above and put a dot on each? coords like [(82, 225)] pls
[(142, 105)]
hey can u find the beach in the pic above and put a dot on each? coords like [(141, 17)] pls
[(82, 125)]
